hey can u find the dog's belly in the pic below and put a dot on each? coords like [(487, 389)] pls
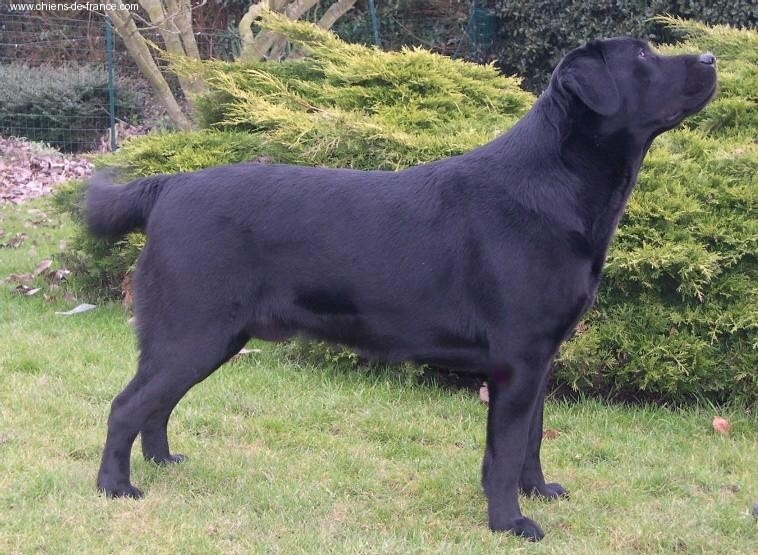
[(428, 332)]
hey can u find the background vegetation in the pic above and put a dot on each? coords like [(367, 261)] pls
[(535, 34), (677, 312), (65, 105)]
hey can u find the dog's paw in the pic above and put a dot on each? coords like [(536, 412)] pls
[(523, 527), (550, 491), (125, 490)]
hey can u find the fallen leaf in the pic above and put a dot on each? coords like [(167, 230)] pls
[(243, 352), (720, 425), (43, 266), (16, 241), (60, 275), (18, 278), (84, 307), (550, 434), (484, 394), (32, 292), (127, 293)]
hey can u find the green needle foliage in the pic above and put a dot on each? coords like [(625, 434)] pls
[(677, 312), (349, 105)]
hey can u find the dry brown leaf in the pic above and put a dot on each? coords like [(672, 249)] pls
[(18, 278), (127, 296), (550, 434), (243, 352), (43, 266), (16, 241), (484, 394)]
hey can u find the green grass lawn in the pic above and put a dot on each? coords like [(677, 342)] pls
[(286, 456)]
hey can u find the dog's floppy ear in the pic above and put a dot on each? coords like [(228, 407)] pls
[(585, 74)]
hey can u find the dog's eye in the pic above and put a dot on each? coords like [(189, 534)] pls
[(642, 54)]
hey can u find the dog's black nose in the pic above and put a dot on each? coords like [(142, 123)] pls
[(707, 58)]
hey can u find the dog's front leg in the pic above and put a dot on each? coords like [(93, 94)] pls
[(513, 398)]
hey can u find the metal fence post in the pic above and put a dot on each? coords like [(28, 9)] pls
[(111, 81), (374, 23)]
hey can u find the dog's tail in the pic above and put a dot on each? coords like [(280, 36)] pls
[(114, 210)]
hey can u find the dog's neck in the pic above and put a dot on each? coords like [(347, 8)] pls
[(596, 169)]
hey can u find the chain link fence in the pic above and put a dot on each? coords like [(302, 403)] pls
[(458, 28), (67, 81), (59, 84)]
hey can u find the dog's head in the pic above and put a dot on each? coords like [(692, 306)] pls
[(629, 86)]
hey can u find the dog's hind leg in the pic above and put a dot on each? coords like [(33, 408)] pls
[(155, 437), (154, 433), (532, 481), (167, 370)]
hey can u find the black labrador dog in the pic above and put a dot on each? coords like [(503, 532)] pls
[(483, 262)]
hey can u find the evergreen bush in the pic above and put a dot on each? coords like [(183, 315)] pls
[(677, 311), (534, 34)]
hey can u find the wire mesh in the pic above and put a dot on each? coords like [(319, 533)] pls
[(54, 85), (459, 28)]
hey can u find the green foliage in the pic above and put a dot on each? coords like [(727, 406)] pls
[(536, 33), (677, 312), (355, 106), (65, 106)]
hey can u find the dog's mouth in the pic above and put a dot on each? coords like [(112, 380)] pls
[(681, 114)]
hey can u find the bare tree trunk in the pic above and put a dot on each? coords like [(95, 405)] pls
[(268, 45), (275, 44), (246, 32), (335, 11), (256, 47), (184, 24), (140, 53), (173, 19)]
